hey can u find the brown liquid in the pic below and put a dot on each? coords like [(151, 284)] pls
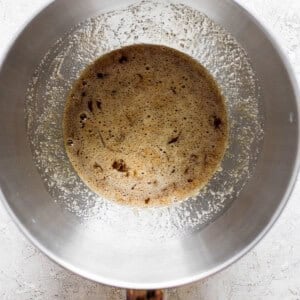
[(145, 125)]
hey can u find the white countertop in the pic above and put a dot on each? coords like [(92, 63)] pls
[(270, 271)]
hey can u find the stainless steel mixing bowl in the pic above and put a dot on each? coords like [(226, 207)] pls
[(144, 259)]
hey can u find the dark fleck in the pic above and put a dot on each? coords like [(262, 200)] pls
[(101, 75), (84, 82), (120, 165), (70, 142), (190, 180), (123, 59), (173, 140), (217, 122), (99, 104), (147, 200), (140, 76), (83, 117), (97, 166), (83, 94), (173, 171), (147, 68), (173, 89), (90, 105), (113, 92), (77, 153), (186, 170)]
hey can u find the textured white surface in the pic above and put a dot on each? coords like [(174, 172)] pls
[(270, 271)]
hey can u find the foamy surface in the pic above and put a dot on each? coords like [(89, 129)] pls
[(146, 125)]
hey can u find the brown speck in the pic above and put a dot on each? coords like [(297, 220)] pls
[(147, 200), (217, 122), (101, 75), (123, 59), (83, 117), (209, 158), (120, 138), (120, 166), (190, 180), (140, 76), (102, 140), (84, 82), (173, 89), (99, 104), (113, 92), (193, 157), (186, 170), (129, 120), (77, 152), (173, 140), (97, 166), (83, 94), (90, 105), (70, 142)]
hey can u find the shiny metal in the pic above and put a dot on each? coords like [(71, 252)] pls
[(62, 236)]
